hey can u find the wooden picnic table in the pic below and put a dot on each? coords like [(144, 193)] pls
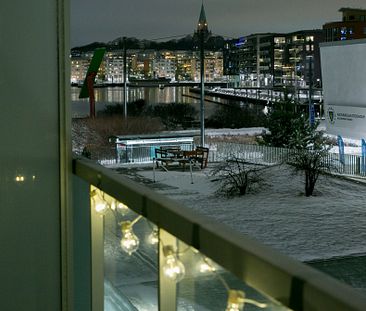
[(168, 156)]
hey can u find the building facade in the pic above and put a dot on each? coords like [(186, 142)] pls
[(352, 26), (272, 59), (150, 64)]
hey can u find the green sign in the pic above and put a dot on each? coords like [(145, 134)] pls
[(93, 68)]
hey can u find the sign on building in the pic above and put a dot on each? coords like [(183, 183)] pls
[(344, 87)]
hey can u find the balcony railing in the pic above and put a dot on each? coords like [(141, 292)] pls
[(235, 269)]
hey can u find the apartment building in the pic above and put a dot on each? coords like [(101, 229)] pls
[(272, 59), (352, 26), (149, 64)]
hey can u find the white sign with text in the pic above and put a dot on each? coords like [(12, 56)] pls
[(344, 87)]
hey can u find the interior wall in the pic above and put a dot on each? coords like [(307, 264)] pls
[(30, 184)]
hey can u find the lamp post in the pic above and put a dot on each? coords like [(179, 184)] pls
[(124, 78), (311, 104), (202, 82)]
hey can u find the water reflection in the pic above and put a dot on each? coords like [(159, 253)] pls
[(151, 95)]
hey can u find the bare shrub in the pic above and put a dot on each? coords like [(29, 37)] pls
[(312, 163), (238, 177)]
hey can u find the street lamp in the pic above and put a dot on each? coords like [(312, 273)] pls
[(124, 77), (311, 104), (202, 76)]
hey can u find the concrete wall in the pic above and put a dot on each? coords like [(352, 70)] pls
[(33, 158), (344, 85)]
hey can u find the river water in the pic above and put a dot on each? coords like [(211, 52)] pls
[(151, 95)]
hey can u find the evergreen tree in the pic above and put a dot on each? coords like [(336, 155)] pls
[(287, 126), (291, 129)]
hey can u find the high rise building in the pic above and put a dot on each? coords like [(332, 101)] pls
[(352, 26)]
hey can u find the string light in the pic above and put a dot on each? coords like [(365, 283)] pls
[(113, 205), (236, 298), (206, 265), (122, 208), (235, 301), (100, 206), (173, 268), (129, 241), (154, 237)]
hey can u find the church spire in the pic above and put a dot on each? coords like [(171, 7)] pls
[(202, 21)]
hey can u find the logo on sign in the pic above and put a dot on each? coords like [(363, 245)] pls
[(331, 115)]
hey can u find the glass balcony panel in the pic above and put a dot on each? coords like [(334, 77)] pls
[(203, 285), (130, 256)]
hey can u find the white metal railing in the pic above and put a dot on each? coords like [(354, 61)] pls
[(271, 280), (353, 165)]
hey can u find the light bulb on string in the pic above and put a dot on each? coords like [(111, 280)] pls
[(113, 205), (206, 265), (122, 208), (101, 208), (236, 300), (154, 237), (129, 241), (173, 268), (100, 205)]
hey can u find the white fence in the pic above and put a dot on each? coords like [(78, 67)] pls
[(353, 165)]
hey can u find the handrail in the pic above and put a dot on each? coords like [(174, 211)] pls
[(291, 282)]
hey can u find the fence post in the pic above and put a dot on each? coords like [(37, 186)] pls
[(358, 165)]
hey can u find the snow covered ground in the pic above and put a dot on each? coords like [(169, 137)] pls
[(331, 223)]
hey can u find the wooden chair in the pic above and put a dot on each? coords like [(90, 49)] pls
[(201, 156)]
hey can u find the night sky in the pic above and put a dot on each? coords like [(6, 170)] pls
[(105, 20)]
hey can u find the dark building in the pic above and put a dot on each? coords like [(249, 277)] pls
[(272, 59), (352, 26)]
